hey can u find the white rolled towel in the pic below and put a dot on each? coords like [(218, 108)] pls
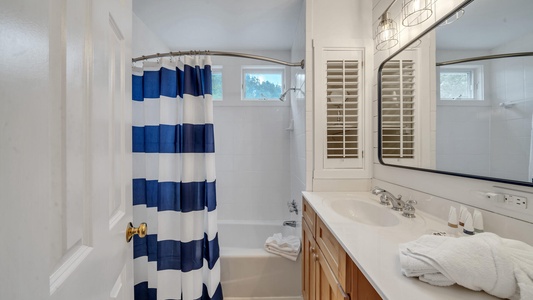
[(500, 267), (288, 246)]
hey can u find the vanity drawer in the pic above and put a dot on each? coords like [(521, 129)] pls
[(333, 252), (309, 215)]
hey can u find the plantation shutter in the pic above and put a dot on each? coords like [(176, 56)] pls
[(338, 113), (342, 89), (398, 109)]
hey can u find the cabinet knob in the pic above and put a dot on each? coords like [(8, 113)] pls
[(315, 256)]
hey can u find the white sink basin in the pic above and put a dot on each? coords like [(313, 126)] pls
[(366, 213)]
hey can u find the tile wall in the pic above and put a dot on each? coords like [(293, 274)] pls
[(252, 161), (252, 146), (512, 126)]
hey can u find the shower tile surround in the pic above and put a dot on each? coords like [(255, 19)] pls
[(252, 146), (512, 81), (253, 162), (464, 151)]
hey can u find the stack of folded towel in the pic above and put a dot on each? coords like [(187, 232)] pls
[(500, 267), (288, 247)]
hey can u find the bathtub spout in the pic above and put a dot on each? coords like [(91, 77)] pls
[(289, 223)]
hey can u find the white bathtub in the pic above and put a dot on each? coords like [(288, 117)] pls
[(248, 271)]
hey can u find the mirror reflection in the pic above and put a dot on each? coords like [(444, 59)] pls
[(471, 118)]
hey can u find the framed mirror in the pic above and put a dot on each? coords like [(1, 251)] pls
[(459, 99)]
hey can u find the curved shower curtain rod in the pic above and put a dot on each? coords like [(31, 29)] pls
[(300, 64), (485, 57)]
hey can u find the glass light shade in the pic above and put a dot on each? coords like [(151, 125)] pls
[(386, 33), (415, 12)]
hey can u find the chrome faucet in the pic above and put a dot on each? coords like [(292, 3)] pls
[(387, 198), (289, 223)]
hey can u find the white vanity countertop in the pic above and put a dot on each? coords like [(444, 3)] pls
[(375, 249)]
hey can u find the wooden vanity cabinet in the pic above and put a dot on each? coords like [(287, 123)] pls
[(328, 273), (308, 262)]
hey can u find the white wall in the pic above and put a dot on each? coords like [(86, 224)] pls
[(252, 147), (341, 24), (452, 188), (144, 41)]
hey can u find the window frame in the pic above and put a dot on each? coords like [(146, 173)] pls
[(262, 70), (476, 74)]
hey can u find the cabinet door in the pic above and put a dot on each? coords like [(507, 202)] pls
[(308, 215), (332, 251), (308, 263), (360, 288), (326, 285)]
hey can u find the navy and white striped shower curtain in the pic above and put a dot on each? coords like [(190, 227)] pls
[(174, 181)]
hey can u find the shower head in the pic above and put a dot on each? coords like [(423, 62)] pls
[(282, 97)]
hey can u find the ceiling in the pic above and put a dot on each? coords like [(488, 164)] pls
[(487, 24), (221, 24)]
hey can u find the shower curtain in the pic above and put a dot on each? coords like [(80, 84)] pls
[(174, 181)]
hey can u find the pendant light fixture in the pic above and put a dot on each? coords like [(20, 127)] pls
[(386, 33), (415, 12)]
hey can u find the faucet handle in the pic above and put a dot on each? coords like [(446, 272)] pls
[(293, 206), (409, 209), (384, 200)]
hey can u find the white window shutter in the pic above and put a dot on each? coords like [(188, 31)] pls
[(342, 106), (340, 98)]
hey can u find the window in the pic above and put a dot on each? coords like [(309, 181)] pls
[(262, 83), (216, 79), (459, 83)]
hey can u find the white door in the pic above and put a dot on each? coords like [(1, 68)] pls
[(65, 149)]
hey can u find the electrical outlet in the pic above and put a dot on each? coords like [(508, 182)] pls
[(517, 202)]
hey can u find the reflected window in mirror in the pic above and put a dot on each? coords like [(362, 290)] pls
[(460, 83)]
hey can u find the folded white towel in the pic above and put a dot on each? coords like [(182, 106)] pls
[(503, 268), (288, 246), (291, 256), (436, 279)]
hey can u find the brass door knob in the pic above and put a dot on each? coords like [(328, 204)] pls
[(131, 231)]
